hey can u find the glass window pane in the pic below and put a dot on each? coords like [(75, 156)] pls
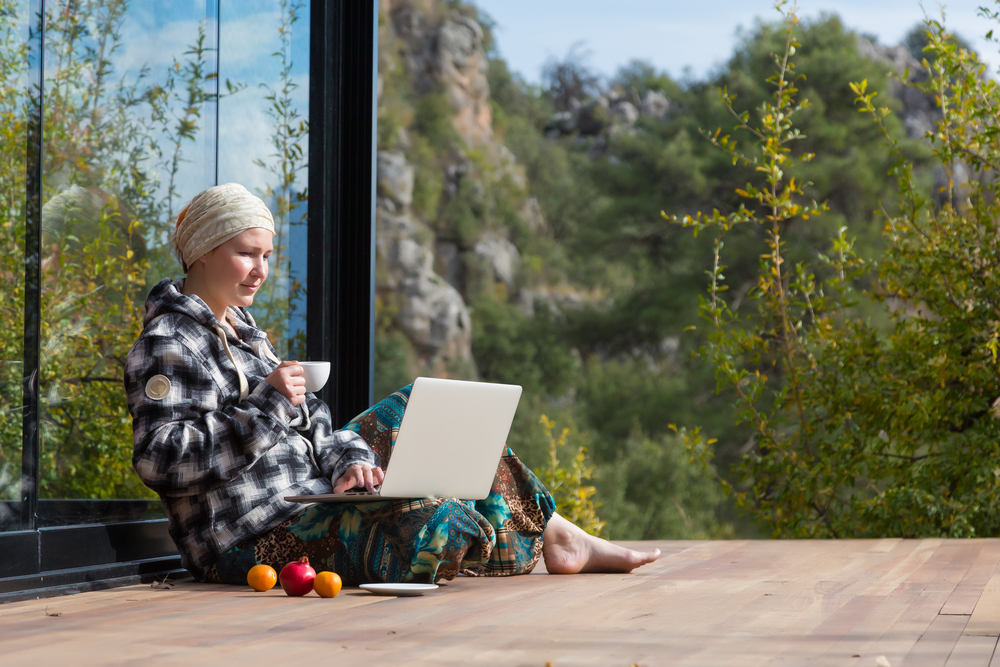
[(129, 138), (14, 105), (264, 145)]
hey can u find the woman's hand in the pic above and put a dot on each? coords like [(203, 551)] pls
[(289, 380), (360, 475)]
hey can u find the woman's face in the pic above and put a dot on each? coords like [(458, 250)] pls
[(235, 270)]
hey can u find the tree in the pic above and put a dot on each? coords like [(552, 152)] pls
[(861, 429)]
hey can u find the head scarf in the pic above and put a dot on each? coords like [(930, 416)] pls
[(215, 216)]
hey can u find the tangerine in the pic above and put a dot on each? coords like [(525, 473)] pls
[(262, 578), (327, 584)]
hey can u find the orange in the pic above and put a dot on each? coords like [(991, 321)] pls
[(262, 577), (327, 584)]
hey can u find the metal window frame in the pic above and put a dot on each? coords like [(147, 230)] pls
[(38, 561)]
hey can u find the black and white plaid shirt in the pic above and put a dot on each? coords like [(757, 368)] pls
[(220, 464)]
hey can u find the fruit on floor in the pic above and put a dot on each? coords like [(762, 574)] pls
[(297, 577), (262, 578), (327, 584)]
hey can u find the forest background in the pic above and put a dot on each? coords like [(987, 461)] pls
[(547, 224)]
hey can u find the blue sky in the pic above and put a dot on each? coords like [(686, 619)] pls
[(701, 35)]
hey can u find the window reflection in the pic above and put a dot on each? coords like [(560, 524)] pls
[(141, 111), (125, 144), (136, 118), (264, 144), (14, 103)]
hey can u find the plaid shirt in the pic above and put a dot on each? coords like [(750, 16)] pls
[(220, 464)]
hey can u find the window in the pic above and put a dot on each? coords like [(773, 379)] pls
[(115, 113)]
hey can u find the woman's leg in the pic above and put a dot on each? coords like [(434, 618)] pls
[(501, 535), (520, 510), (419, 541), (569, 550)]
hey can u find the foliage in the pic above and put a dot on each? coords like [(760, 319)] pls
[(863, 431), (14, 110), (512, 347), (281, 296), (595, 325), (652, 490), (573, 497)]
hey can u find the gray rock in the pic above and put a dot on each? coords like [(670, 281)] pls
[(458, 40), (395, 178), (655, 105), (461, 67), (435, 319), (501, 257), (624, 112), (433, 315), (448, 264)]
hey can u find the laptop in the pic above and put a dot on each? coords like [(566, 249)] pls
[(449, 443)]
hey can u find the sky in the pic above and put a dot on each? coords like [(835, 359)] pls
[(674, 35)]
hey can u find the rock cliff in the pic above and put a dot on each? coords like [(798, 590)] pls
[(426, 267)]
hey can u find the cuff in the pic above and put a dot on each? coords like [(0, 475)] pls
[(273, 403), (352, 457)]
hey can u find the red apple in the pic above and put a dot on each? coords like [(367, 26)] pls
[(297, 577)]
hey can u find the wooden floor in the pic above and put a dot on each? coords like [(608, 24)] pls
[(865, 602)]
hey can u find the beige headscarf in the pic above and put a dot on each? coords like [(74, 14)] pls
[(214, 216)]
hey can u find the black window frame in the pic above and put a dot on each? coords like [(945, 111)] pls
[(40, 560)]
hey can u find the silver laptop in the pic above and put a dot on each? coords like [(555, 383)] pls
[(449, 443)]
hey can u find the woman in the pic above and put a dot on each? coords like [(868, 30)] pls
[(224, 430)]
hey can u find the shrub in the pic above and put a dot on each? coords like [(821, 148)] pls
[(862, 430)]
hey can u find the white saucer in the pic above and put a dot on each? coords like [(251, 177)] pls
[(399, 590)]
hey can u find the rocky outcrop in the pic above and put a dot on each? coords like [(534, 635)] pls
[(461, 69), (655, 105), (446, 54), (500, 257), (432, 313), (424, 275), (609, 112), (395, 180), (920, 111)]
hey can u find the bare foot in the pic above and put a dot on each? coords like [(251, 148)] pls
[(568, 550)]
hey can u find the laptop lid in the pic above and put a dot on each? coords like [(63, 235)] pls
[(450, 440)]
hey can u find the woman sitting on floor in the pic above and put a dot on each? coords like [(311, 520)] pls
[(224, 430)]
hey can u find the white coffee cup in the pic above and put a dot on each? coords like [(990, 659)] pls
[(316, 374)]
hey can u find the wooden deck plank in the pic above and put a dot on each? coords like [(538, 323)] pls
[(741, 603), (936, 644), (985, 619), (963, 600), (932, 584), (972, 651)]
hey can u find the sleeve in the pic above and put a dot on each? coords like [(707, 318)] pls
[(185, 441), (336, 450)]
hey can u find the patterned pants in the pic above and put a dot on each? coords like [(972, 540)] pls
[(421, 540)]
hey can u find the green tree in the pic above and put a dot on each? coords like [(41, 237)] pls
[(862, 430), (15, 104)]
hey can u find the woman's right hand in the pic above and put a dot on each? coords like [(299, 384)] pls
[(289, 380)]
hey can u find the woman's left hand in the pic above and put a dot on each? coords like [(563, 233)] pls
[(360, 475)]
